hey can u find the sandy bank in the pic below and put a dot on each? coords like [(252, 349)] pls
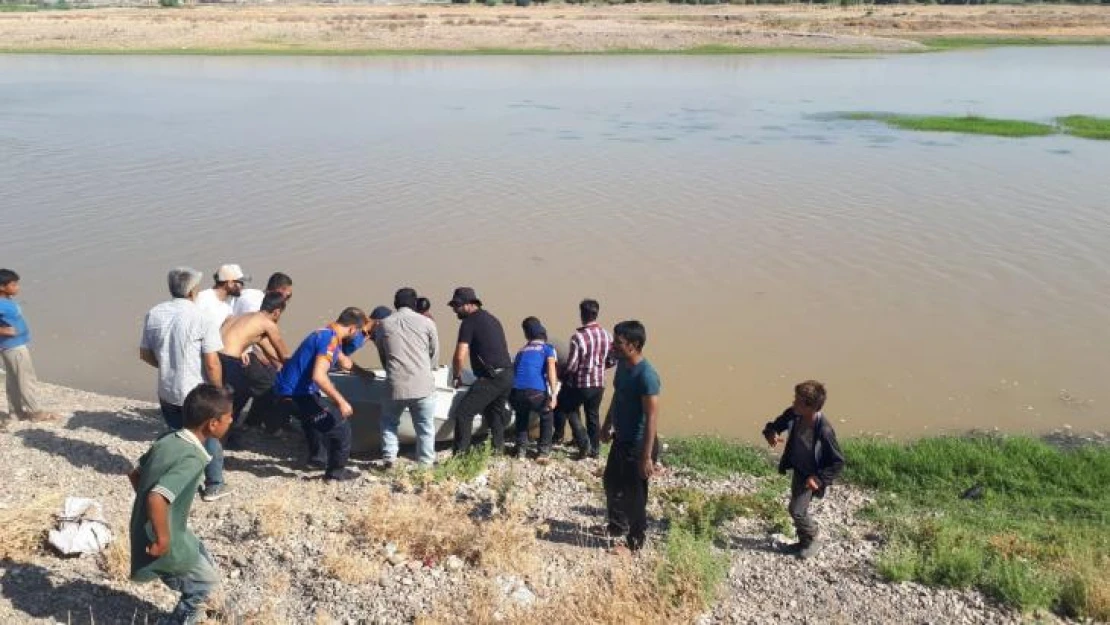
[(557, 28)]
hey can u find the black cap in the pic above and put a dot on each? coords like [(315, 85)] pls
[(381, 312), (464, 295)]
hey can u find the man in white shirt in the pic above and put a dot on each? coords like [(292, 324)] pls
[(218, 302), (250, 300), (183, 344)]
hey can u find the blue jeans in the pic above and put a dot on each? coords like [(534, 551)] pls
[(194, 586), (214, 472), (422, 411), (327, 434)]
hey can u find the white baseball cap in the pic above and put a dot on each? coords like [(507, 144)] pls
[(231, 273)]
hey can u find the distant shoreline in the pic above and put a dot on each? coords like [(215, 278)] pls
[(634, 29)]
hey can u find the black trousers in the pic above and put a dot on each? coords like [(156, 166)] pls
[(524, 403), (569, 401), (260, 383), (800, 497), (327, 434), (488, 396), (626, 493), (235, 376)]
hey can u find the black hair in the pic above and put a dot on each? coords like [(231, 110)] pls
[(278, 281), (7, 276), (812, 393), (423, 305), (533, 329), (633, 332), (404, 298), (352, 316), (589, 308), (206, 402), (272, 301)]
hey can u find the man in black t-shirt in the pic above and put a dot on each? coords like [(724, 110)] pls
[(482, 338)]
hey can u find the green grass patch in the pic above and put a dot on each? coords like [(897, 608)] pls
[(463, 467), (1037, 537), (714, 456), (702, 514), (967, 124), (691, 571), (1086, 126)]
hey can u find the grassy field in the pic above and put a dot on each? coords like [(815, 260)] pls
[(1025, 522)]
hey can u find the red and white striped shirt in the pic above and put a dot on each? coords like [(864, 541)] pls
[(589, 356)]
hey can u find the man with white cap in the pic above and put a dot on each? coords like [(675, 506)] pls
[(183, 344), (218, 302)]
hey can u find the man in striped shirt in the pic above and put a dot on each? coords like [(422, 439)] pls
[(584, 381)]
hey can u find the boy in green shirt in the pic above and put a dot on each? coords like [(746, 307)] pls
[(165, 482)]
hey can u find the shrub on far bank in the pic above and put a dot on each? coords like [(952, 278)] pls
[(1086, 126)]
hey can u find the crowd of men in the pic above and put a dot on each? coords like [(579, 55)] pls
[(219, 348)]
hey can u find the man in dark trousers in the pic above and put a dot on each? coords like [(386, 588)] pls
[(584, 380), (482, 339)]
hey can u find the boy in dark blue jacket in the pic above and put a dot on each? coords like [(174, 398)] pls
[(813, 454)]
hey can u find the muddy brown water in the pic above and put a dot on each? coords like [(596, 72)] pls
[(934, 282)]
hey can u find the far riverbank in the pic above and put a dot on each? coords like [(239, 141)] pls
[(547, 29)]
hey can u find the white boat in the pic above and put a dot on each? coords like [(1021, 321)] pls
[(365, 396)]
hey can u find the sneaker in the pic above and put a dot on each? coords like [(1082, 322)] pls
[(341, 475), (521, 452), (385, 464), (594, 454), (793, 549), (810, 550), (215, 492), (39, 417), (316, 465)]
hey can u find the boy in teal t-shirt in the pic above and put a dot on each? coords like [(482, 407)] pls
[(165, 482)]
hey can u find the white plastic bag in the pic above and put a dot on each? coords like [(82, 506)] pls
[(81, 528)]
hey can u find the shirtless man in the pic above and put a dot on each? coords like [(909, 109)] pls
[(239, 333)]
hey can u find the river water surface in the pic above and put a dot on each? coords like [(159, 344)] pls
[(933, 281)]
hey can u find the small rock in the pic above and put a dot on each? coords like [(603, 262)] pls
[(415, 565), (453, 563), (396, 559), (406, 581)]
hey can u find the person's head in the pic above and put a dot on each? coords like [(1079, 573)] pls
[(273, 304), (9, 283), (588, 310), (405, 298), (464, 301), (231, 279), (533, 329), (184, 282), (351, 321), (208, 411), (809, 398), (629, 338), (423, 305), (280, 283)]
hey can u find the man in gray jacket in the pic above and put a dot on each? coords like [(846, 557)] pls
[(409, 347)]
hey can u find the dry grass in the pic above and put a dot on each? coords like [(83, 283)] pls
[(615, 592), (275, 515), (433, 526), (344, 562), (23, 529), (115, 560)]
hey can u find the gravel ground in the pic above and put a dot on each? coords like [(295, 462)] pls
[(285, 545)]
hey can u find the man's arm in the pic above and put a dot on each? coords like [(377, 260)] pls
[(273, 344), (571, 368), (462, 352), (553, 382), (212, 369), (433, 345), (833, 459), (607, 426), (158, 510), (148, 357), (320, 377), (651, 417), (133, 476)]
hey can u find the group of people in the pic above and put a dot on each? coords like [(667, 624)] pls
[(219, 348)]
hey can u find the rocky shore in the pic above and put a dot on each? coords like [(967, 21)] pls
[(513, 544)]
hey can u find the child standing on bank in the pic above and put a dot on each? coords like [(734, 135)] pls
[(631, 424), (812, 453), (165, 482), (15, 356)]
